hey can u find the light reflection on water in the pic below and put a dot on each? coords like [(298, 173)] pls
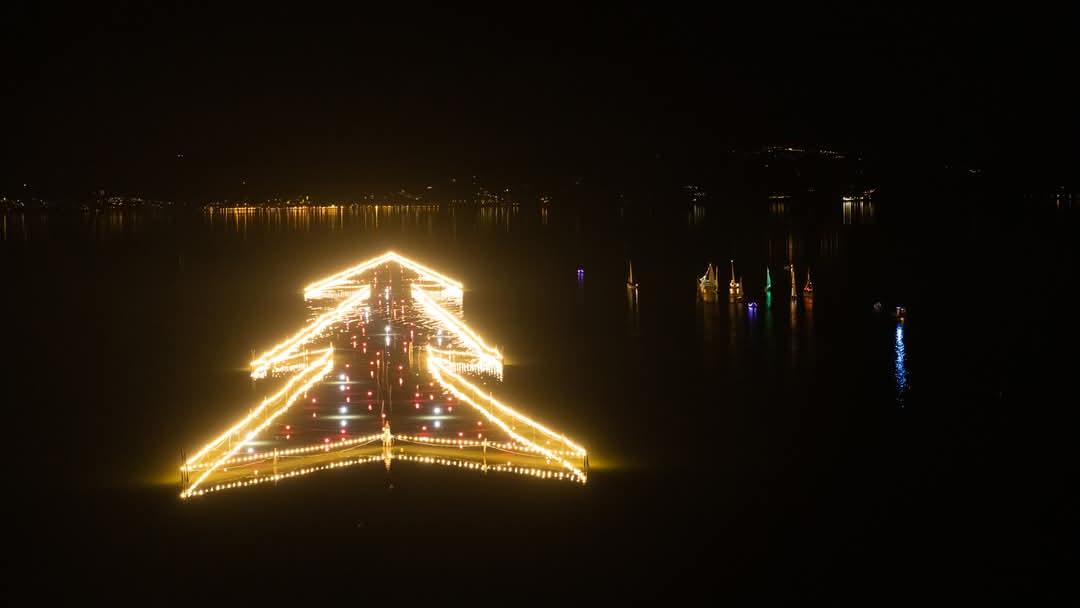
[(901, 365), (858, 212)]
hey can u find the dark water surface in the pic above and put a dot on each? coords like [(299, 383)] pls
[(823, 451)]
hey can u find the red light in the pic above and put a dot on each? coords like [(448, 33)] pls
[(314, 400), (288, 436), (460, 434), (369, 407), (327, 440), (342, 431), (288, 427), (423, 428), (369, 393), (449, 408), (417, 406)]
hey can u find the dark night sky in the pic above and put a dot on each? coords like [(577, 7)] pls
[(337, 99)]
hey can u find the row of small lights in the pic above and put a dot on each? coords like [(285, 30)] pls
[(265, 478), (315, 289), (290, 452), (353, 442), (283, 350), (466, 361), (486, 354), (472, 443), (502, 468), (436, 362), (235, 429), (327, 362), (438, 372), (476, 343), (499, 468), (286, 351)]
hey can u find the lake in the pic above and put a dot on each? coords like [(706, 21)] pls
[(821, 449)]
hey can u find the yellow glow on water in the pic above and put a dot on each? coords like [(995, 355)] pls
[(445, 366), (308, 377)]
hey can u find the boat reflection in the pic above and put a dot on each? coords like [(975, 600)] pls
[(900, 352)]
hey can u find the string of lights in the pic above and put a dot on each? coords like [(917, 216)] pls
[(501, 468), (443, 364), (313, 374), (284, 350), (316, 289), (487, 355), (457, 386), (338, 464), (235, 429), (473, 443), (442, 367), (282, 476), (315, 447)]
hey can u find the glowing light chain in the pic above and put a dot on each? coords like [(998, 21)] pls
[(322, 367), (315, 447), (360, 441), (441, 372), (429, 274), (316, 289), (254, 413), (485, 353), (475, 443), (440, 363), (468, 362), (577, 449), (287, 350), (337, 464), (502, 468)]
